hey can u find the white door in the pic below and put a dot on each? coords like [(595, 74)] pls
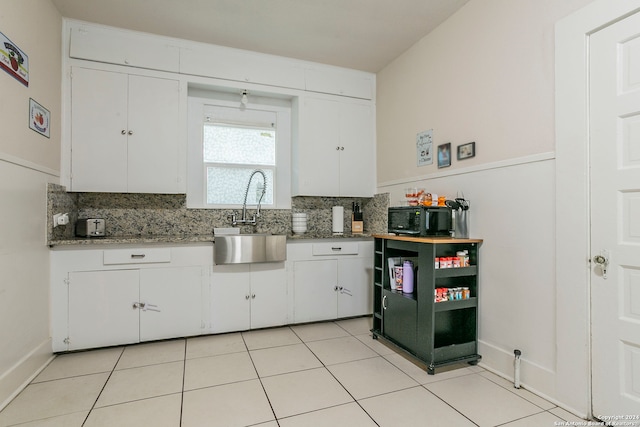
[(615, 218), (101, 308), (319, 148), (355, 289), (155, 135), (268, 295), (230, 298), (357, 165), (99, 130), (314, 294), (172, 302)]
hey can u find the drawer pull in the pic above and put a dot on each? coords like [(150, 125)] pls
[(333, 248), (137, 256)]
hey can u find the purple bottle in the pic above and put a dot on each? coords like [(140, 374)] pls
[(407, 277)]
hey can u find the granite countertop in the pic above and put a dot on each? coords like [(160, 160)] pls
[(186, 238)]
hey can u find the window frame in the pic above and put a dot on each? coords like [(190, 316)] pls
[(196, 167)]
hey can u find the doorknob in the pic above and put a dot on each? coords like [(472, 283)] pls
[(602, 261)]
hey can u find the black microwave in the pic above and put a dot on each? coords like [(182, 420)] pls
[(420, 221)]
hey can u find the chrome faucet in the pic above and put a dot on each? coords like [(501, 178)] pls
[(244, 219)]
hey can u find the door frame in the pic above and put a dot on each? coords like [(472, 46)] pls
[(573, 274)]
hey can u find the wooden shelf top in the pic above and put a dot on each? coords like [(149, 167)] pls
[(441, 240)]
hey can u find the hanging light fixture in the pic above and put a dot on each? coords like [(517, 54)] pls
[(244, 100)]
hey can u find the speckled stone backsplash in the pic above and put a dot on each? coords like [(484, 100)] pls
[(59, 201), (167, 214), (320, 215)]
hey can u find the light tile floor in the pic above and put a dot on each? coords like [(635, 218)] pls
[(322, 374)]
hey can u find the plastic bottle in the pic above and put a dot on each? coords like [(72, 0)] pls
[(407, 277)]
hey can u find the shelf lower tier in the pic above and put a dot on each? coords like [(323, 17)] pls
[(442, 356)]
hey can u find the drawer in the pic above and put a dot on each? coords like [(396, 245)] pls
[(335, 248), (137, 256)]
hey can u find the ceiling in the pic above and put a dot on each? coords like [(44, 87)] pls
[(361, 34)]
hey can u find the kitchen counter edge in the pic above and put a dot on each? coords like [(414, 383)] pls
[(169, 239), (436, 240)]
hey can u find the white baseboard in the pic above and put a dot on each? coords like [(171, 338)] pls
[(22, 373), (534, 378)]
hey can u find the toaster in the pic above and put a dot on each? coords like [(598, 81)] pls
[(90, 227)]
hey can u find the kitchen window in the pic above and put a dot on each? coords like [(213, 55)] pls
[(227, 142)]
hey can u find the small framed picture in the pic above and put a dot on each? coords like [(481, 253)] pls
[(466, 151), (444, 155), (39, 118)]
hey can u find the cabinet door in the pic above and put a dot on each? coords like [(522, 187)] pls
[(357, 165), (98, 146), (268, 295), (399, 316), (315, 296), (172, 302), (318, 148), (335, 149), (101, 308), (230, 298), (355, 293), (153, 146)]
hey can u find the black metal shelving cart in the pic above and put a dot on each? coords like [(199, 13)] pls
[(437, 333)]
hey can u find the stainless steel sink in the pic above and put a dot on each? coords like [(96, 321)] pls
[(249, 248)]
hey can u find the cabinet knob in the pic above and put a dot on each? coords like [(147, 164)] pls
[(337, 148), (123, 132), (247, 297), (253, 296), (136, 305), (341, 148), (130, 132)]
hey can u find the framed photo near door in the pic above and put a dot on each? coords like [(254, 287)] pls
[(466, 151), (444, 155)]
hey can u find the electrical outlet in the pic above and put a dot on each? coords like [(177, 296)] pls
[(55, 219)]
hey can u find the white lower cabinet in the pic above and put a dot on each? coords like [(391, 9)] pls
[(100, 309), (248, 296), (98, 302), (331, 279)]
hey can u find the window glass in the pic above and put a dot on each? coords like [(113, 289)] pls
[(227, 185), (227, 143)]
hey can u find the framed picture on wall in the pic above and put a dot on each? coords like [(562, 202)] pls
[(466, 151), (444, 155)]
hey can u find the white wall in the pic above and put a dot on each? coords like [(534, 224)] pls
[(28, 161), (514, 214), (487, 75)]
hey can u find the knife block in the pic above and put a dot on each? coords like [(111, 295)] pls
[(357, 225)]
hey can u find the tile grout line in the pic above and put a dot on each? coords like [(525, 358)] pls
[(103, 386), (259, 378), (450, 405), (184, 375), (337, 380)]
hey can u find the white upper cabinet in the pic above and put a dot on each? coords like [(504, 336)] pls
[(334, 154), (122, 47), (242, 66), (125, 133), (355, 84)]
